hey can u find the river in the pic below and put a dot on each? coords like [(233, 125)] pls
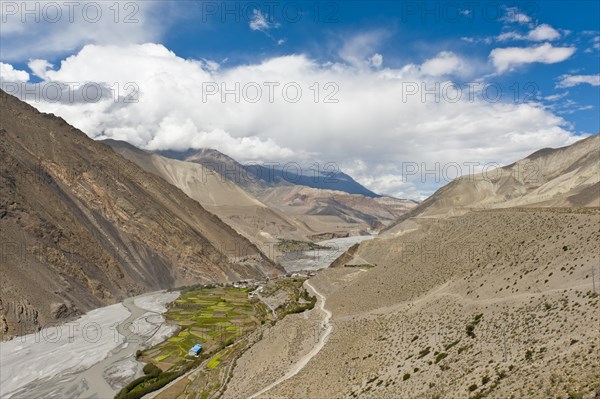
[(91, 357), (320, 258)]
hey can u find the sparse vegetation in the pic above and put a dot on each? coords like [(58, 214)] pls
[(293, 245), (470, 328), (440, 357), (424, 352)]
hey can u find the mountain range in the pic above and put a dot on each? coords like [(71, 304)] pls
[(485, 289), (266, 210), (88, 223)]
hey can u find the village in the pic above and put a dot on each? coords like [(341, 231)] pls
[(251, 283), (214, 325)]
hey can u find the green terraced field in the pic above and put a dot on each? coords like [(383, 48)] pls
[(210, 317), (218, 318)]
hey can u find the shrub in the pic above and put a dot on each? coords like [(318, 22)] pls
[(470, 330), (472, 387), (471, 326), (575, 395), (450, 345), (440, 357), (151, 369), (424, 352), (528, 355), (405, 377)]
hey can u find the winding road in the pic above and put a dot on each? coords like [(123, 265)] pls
[(327, 327)]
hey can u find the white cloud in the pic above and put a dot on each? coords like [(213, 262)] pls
[(543, 32), (358, 50), (39, 67), (595, 43), (210, 65), (505, 59), (376, 60), (9, 74), (574, 80), (260, 22), (372, 121), (445, 63), (506, 36), (556, 97), (514, 15)]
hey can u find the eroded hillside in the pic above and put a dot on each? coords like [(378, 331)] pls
[(494, 304), (551, 177), (83, 227)]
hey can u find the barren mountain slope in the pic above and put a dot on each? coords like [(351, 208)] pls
[(336, 211), (327, 208), (242, 211), (568, 176), (494, 304), (83, 227), (254, 177)]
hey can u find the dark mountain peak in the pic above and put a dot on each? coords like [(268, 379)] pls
[(255, 176)]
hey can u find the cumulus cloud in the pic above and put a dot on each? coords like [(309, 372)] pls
[(9, 74), (445, 63), (543, 32), (505, 59), (372, 120), (574, 80), (39, 67)]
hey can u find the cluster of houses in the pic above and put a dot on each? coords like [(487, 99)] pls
[(250, 283)]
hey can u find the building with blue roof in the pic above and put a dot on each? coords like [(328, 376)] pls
[(195, 351)]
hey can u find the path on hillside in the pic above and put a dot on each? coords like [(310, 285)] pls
[(441, 291), (300, 364)]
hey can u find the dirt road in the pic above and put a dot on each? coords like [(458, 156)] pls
[(326, 329)]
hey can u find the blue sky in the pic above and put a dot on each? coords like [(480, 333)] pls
[(539, 63)]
